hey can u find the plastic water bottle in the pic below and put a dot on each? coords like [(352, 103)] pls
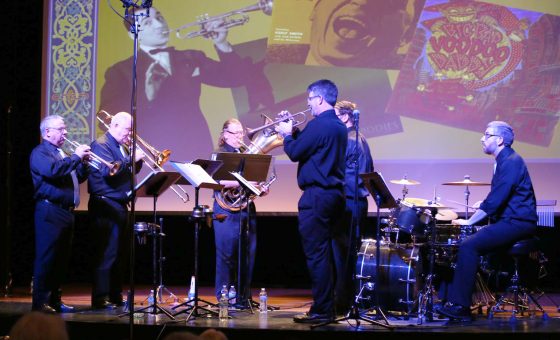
[(190, 295), (223, 306), (232, 295), (263, 301), (151, 298), (224, 291)]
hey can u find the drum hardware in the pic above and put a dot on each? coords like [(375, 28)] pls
[(404, 182), (466, 182)]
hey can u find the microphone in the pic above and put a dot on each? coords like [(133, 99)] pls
[(356, 115)]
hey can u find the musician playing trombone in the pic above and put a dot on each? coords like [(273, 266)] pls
[(56, 177), (109, 212)]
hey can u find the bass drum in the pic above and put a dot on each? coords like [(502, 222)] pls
[(396, 285)]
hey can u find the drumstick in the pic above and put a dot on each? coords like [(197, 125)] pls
[(463, 204)]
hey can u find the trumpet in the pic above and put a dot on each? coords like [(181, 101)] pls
[(230, 19), (270, 123), (157, 159), (113, 166)]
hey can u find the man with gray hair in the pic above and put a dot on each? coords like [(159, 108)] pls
[(511, 207)]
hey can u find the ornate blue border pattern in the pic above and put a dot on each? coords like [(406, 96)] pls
[(71, 65)]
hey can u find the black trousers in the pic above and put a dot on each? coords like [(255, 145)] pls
[(484, 241), (320, 211), (54, 229), (110, 237)]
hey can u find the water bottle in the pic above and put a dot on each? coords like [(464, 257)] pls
[(151, 298), (224, 291), (190, 295), (232, 295), (263, 301), (223, 306)]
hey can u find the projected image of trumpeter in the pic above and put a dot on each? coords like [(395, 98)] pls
[(170, 80)]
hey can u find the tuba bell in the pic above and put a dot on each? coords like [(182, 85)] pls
[(263, 140)]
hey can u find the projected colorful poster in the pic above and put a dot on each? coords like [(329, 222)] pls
[(473, 62)]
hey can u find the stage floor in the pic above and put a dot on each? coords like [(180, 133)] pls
[(277, 324)]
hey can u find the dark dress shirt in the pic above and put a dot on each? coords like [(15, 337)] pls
[(319, 151), (365, 164), (511, 195), (51, 174)]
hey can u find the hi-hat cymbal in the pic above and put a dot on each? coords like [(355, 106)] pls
[(466, 182), (422, 203), (404, 181)]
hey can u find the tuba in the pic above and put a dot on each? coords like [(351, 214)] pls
[(263, 140)]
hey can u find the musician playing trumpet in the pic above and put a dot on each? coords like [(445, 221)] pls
[(109, 212), (56, 177)]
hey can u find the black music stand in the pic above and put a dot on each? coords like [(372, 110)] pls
[(244, 168), (198, 174), (153, 186), (376, 185)]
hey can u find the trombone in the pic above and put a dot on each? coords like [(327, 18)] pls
[(113, 166), (230, 19), (157, 159)]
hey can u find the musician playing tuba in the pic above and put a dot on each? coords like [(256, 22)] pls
[(226, 230)]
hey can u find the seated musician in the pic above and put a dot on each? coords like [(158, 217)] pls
[(511, 207)]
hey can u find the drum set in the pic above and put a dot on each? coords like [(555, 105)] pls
[(418, 243)]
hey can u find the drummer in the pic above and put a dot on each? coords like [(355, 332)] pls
[(511, 207)]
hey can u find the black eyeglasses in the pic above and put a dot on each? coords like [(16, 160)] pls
[(312, 97), (236, 132), (57, 128), (488, 135)]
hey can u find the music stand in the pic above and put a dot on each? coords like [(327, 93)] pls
[(376, 185), (244, 168), (153, 186), (198, 174)]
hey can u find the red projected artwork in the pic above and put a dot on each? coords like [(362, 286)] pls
[(473, 62)]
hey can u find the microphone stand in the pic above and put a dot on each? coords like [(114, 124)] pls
[(134, 29)]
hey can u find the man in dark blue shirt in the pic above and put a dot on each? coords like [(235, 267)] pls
[(511, 207), (56, 179), (358, 161), (109, 212), (319, 150)]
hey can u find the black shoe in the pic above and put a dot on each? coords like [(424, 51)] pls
[(44, 308), (60, 307), (117, 300), (456, 312), (312, 318), (103, 304)]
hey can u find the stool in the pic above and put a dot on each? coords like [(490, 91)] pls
[(522, 298)]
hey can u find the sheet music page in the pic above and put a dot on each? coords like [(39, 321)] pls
[(194, 174), (246, 183)]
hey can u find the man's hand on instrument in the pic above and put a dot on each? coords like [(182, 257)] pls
[(460, 221), (284, 128)]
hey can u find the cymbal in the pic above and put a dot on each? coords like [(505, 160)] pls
[(404, 181), (446, 215), (423, 203), (466, 182)]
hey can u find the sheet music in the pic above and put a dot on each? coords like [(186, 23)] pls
[(196, 175), (246, 183)]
